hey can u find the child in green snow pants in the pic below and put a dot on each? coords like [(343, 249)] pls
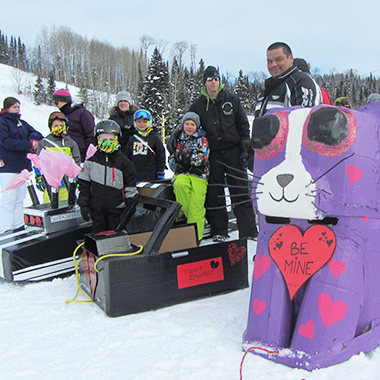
[(189, 162)]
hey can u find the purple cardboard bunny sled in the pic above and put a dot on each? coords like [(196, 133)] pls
[(315, 298)]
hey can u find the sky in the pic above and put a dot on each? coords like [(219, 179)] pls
[(232, 35)]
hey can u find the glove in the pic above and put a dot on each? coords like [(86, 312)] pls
[(40, 182), (160, 175), (183, 161), (173, 141), (86, 213), (245, 145)]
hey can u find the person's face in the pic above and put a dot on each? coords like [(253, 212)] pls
[(212, 86), (278, 62), (15, 108), (107, 137), (124, 105), (59, 104), (189, 127), (141, 124)]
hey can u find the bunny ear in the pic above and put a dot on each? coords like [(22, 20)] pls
[(35, 160), (54, 165), (90, 151), (17, 181)]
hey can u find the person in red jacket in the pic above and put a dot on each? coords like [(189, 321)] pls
[(81, 121), (304, 67)]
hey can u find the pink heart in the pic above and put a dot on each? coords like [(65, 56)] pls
[(259, 306), (307, 330), (261, 266), (365, 219), (330, 312), (353, 173), (337, 267)]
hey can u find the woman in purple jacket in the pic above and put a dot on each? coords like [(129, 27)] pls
[(17, 138), (81, 121)]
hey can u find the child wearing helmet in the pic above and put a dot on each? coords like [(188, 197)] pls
[(57, 140), (190, 165), (145, 149), (107, 182)]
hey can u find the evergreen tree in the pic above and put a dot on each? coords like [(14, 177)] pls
[(39, 94), (50, 88), (198, 80), (4, 55), (242, 91), (22, 62), (155, 90)]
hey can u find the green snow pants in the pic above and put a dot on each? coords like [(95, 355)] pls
[(190, 192)]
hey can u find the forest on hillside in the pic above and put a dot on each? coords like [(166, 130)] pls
[(165, 87)]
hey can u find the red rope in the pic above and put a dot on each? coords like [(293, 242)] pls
[(251, 349)]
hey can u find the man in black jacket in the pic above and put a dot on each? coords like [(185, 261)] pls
[(288, 86), (226, 124)]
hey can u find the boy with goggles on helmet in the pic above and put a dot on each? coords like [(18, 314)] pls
[(58, 140), (145, 149), (107, 182)]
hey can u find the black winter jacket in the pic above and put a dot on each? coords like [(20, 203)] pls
[(125, 121), (292, 88), (106, 180), (223, 119), (148, 157)]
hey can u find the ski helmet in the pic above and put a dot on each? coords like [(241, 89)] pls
[(107, 126), (143, 114), (57, 116)]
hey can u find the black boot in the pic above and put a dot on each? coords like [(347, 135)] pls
[(54, 198), (72, 195)]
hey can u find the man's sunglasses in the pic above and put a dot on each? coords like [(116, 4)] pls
[(210, 79)]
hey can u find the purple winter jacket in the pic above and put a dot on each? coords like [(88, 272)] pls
[(81, 126)]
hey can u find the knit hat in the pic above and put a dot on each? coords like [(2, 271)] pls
[(373, 98), (9, 102), (191, 116), (301, 64), (62, 95), (210, 72), (123, 95)]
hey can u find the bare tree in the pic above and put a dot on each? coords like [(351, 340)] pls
[(193, 53), (146, 41), (178, 50)]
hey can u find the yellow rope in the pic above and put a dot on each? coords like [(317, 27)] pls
[(118, 255), (76, 266)]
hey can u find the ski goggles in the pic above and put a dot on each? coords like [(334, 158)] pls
[(144, 114), (210, 79), (57, 116)]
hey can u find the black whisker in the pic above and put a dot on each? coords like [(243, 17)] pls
[(224, 185), (231, 205), (233, 195), (238, 170), (243, 179), (321, 190), (338, 163), (318, 208)]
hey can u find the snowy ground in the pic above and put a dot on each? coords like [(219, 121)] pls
[(44, 338)]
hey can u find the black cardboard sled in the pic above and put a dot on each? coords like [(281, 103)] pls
[(171, 268)]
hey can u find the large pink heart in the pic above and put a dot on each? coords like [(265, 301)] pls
[(298, 257), (307, 330), (337, 267), (353, 173), (330, 312), (261, 266), (259, 306)]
